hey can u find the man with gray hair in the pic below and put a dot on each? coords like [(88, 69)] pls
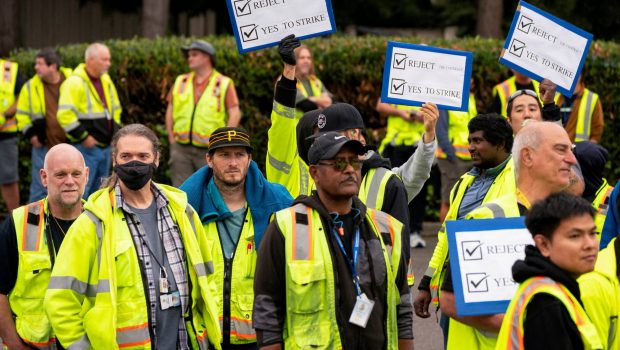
[(29, 241), (90, 112), (199, 102), (543, 159)]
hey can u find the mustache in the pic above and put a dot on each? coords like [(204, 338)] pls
[(350, 178)]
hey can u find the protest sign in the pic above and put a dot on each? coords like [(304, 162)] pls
[(415, 74), (482, 253), (263, 23), (540, 45)]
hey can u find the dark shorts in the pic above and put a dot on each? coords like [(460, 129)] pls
[(8, 154)]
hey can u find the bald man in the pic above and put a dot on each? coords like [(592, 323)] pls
[(89, 111), (543, 157), (26, 255)]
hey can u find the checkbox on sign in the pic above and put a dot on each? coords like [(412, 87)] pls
[(249, 32), (400, 60), (472, 250), (516, 47), (242, 8), (525, 24), (477, 282), (397, 87)]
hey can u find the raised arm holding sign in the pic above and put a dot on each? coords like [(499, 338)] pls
[(540, 45), (262, 23), (415, 74)]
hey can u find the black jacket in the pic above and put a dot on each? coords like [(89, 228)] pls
[(270, 284), (547, 324)]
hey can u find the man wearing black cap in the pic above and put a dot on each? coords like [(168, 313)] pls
[(330, 272), (199, 102), (234, 202), (288, 166)]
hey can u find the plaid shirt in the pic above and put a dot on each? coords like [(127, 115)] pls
[(171, 242)]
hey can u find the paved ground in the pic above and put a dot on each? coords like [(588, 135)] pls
[(426, 330)]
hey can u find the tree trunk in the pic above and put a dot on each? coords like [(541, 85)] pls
[(9, 26), (489, 24), (155, 15)]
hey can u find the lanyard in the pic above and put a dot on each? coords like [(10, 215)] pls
[(352, 262)]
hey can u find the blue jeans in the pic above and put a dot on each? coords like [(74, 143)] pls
[(37, 191), (98, 160)]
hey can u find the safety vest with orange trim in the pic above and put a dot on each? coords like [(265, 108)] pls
[(372, 194), (511, 335), (8, 79), (236, 279), (458, 131), (506, 88), (33, 276), (310, 286), (504, 183), (316, 87), (96, 299), (587, 105), (601, 203), (193, 122)]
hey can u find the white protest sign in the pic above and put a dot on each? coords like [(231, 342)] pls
[(482, 253), (540, 45), (415, 74), (263, 23)]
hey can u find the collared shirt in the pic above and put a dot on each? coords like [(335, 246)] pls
[(475, 194), (175, 253)]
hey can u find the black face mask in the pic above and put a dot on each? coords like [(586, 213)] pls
[(135, 174)]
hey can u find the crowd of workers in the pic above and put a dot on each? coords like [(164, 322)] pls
[(312, 253)]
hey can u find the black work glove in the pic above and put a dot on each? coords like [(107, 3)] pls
[(287, 47)]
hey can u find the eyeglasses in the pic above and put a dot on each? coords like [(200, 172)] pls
[(522, 92), (340, 164)]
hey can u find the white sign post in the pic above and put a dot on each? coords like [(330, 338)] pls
[(415, 74), (540, 46), (263, 23), (482, 253)]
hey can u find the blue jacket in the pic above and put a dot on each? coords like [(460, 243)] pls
[(264, 198), (611, 228)]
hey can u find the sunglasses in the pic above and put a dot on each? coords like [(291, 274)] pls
[(340, 164), (522, 92)]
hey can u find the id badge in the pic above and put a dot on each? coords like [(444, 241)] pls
[(361, 311), (167, 301), (163, 285)]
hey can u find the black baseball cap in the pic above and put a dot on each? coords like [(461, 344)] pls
[(326, 146), (339, 117), (229, 137)]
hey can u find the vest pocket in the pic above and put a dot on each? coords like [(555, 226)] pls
[(34, 328), (314, 336), (36, 268), (307, 292), (124, 265)]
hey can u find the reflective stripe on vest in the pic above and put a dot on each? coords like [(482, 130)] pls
[(511, 335), (133, 335), (33, 271), (587, 105), (372, 189), (302, 232)]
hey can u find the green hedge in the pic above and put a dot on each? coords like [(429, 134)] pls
[(351, 67)]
